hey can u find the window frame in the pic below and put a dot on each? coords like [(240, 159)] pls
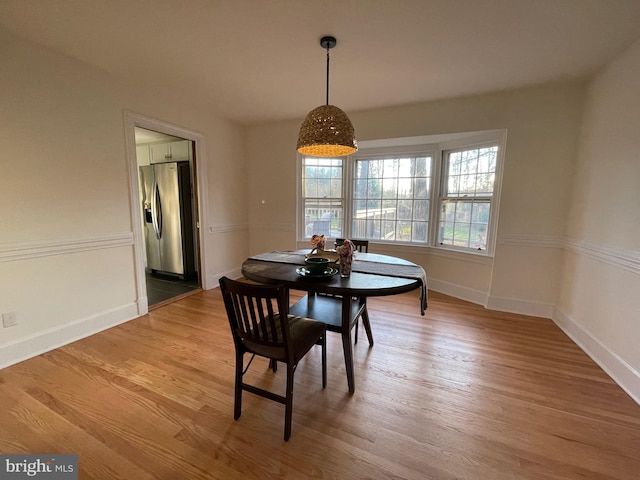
[(435, 146), (493, 199), (301, 201), (424, 150)]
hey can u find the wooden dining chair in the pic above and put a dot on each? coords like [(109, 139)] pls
[(259, 329), (361, 246)]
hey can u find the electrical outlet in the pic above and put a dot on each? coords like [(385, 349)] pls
[(9, 319)]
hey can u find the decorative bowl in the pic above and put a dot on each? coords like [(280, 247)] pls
[(316, 265)]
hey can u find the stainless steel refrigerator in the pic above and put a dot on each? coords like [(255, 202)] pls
[(168, 218)]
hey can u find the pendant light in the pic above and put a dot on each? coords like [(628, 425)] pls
[(327, 131)]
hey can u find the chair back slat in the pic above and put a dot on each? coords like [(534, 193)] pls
[(241, 316), (360, 245), (253, 312)]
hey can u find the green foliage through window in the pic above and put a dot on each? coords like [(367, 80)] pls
[(391, 198)]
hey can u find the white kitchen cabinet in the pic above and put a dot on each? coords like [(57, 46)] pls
[(170, 152), (142, 155)]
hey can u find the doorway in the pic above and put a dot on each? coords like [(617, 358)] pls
[(168, 212)]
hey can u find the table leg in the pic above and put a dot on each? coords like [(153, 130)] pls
[(287, 292), (365, 321), (346, 341)]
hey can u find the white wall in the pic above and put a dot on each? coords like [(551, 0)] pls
[(66, 227), (569, 228), (542, 124), (599, 302)]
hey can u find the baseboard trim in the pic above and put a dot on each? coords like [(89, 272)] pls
[(213, 281), (620, 371), (523, 307), (50, 339), (463, 293), (45, 341), (502, 304)]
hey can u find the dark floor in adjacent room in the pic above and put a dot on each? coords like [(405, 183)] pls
[(161, 288)]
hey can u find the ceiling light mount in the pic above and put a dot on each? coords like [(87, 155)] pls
[(327, 131), (328, 42)]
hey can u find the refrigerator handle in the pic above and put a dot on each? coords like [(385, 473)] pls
[(156, 211)]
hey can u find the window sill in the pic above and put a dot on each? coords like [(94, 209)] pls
[(395, 249), (467, 256)]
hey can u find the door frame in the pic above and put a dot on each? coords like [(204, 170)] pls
[(131, 121)]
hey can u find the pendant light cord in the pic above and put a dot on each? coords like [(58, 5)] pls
[(328, 75)]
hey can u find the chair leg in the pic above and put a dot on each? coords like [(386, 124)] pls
[(237, 409), (323, 345), (288, 411), (357, 328)]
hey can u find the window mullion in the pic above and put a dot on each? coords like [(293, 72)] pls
[(348, 177), (437, 189)]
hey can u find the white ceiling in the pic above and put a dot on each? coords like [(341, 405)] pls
[(260, 60)]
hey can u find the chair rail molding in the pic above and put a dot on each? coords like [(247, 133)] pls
[(536, 241), (619, 257), (10, 252), (237, 227)]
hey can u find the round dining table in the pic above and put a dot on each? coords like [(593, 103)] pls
[(335, 300)]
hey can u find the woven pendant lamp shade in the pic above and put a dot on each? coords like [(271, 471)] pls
[(327, 132)]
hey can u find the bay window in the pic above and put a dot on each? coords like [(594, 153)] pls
[(440, 192)]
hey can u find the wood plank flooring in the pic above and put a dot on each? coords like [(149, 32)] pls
[(461, 393)]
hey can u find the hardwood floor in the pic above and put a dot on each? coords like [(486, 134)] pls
[(462, 393)]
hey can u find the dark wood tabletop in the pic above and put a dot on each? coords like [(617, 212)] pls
[(357, 284)]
